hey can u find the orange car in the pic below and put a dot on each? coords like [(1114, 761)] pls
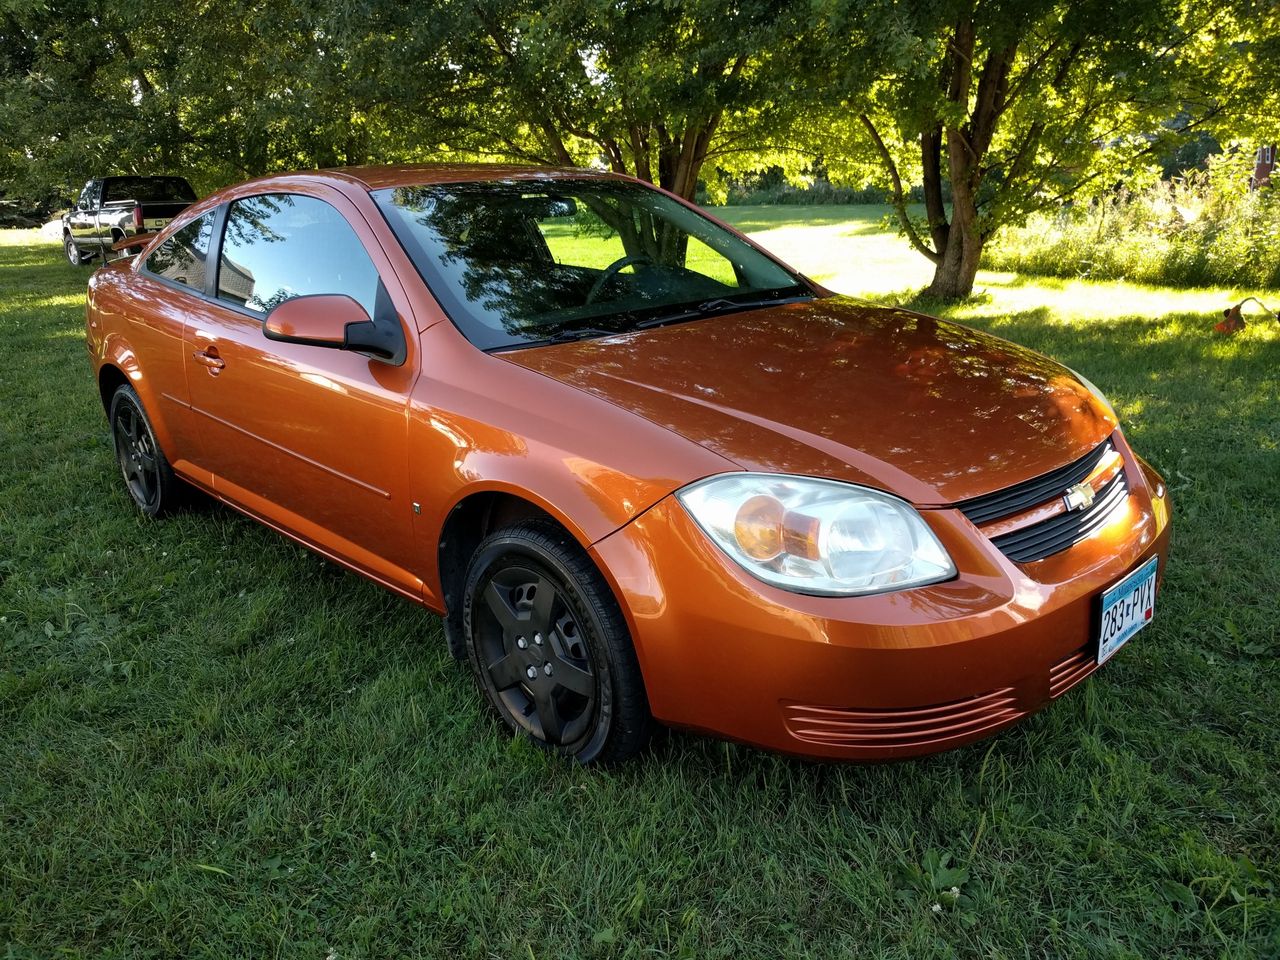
[(645, 471)]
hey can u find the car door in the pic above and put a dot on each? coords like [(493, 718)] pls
[(171, 281), (309, 438), (84, 218)]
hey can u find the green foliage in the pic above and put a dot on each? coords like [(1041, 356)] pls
[(1018, 107), (1204, 228)]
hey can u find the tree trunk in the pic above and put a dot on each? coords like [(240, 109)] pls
[(955, 272), (954, 275)]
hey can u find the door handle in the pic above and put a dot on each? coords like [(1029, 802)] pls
[(208, 357)]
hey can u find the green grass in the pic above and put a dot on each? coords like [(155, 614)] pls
[(214, 744)]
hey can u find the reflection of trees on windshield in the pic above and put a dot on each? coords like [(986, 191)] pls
[(643, 233), (485, 239), (495, 252)]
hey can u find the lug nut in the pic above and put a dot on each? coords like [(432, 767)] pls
[(537, 638), (547, 669), (532, 673), (521, 642)]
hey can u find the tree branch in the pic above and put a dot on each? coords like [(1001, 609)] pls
[(899, 200)]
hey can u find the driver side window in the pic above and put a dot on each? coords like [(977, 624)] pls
[(281, 245)]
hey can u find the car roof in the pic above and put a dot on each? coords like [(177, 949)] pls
[(408, 175)]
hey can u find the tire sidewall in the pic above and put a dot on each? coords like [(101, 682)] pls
[(493, 555)]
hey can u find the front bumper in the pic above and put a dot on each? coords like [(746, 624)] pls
[(878, 677)]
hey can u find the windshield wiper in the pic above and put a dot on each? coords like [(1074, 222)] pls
[(718, 305), (562, 336)]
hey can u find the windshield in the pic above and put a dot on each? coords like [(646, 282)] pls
[(524, 262), (149, 190)]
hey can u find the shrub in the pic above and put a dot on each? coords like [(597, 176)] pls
[(1205, 228)]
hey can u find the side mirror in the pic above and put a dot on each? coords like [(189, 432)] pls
[(335, 321), (317, 321)]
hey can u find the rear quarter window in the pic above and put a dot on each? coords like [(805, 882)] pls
[(183, 258)]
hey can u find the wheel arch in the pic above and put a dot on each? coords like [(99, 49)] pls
[(472, 518), (110, 379), (119, 365)]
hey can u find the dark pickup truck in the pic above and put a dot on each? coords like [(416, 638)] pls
[(112, 209)]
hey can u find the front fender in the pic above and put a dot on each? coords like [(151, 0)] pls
[(479, 423)]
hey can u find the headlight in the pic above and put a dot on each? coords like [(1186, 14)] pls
[(1098, 394), (817, 536)]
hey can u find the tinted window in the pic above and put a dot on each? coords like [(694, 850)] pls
[(149, 190), (183, 257), (279, 246), (524, 261)]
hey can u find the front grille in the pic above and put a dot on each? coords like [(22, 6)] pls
[(1032, 493), (896, 728), (1043, 539)]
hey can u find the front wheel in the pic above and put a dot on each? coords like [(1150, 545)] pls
[(549, 645)]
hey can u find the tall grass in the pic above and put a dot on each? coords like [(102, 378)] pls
[(1205, 228)]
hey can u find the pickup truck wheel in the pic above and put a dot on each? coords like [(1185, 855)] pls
[(549, 645), (74, 256), (151, 482)]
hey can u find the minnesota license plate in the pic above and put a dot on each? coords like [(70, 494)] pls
[(1127, 608)]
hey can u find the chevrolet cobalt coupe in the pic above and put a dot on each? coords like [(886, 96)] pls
[(645, 471)]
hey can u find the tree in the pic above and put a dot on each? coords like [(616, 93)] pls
[(1016, 106), (656, 88)]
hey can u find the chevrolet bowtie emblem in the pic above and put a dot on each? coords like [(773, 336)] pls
[(1079, 497)]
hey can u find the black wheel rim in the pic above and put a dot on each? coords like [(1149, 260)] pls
[(136, 451), (534, 651)]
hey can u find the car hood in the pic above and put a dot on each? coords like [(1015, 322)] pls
[(932, 411)]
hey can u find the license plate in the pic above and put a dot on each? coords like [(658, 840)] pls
[(155, 223), (1127, 608)]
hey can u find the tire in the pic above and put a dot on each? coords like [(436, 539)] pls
[(549, 646), (150, 481), (74, 256)]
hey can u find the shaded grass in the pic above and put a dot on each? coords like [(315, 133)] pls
[(216, 744)]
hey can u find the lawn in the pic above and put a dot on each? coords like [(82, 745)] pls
[(215, 744)]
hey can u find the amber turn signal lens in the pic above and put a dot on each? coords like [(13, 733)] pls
[(800, 535), (758, 527)]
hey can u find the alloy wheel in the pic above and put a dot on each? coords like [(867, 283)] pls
[(136, 451)]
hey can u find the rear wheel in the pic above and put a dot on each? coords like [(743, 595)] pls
[(151, 483), (74, 256), (549, 645)]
